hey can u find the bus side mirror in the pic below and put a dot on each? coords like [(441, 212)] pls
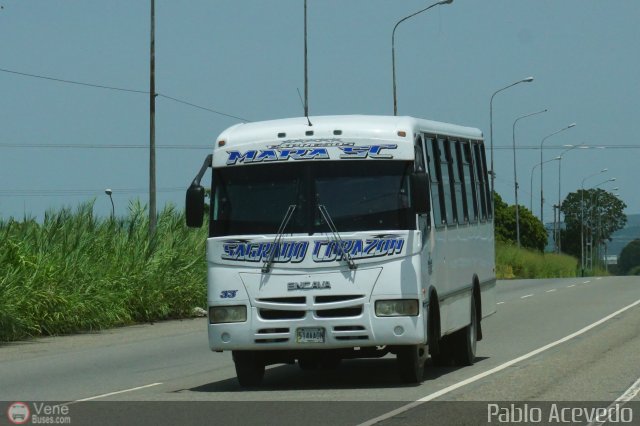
[(420, 192), (195, 206)]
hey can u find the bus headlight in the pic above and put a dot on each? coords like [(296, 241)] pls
[(397, 308), (222, 314)]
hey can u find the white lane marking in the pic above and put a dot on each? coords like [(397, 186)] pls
[(627, 396), (528, 295), (599, 278), (630, 393), (494, 370), (572, 285), (500, 303), (586, 282), (117, 392), (553, 289)]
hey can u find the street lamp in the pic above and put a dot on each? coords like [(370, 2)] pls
[(571, 147), (531, 184), (582, 218), (393, 48), (515, 176), (541, 169), (493, 175), (595, 222), (108, 191)]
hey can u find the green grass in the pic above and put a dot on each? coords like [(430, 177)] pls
[(75, 272), (512, 262)]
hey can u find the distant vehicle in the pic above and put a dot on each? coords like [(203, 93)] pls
[(347, 237)]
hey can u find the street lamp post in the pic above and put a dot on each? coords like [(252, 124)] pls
[(153, 219), (108, 191), (493, 174), (541, 168), (531, 184), (393, 48), (595, 222), (571, 147), (515, 175), (582, 219)]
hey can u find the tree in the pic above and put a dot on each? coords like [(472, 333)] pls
[(629, 258), (532, 232), (593, 213)]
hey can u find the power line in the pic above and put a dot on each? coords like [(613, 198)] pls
[(120, 89), (79, 192), (181, 101), (201, 107), (208, 147), (59, 80), (537, 148), (99, 146)]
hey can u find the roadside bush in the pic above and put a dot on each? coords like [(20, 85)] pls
[(634, 271), (512, 262), (629, 257), (75, 272)]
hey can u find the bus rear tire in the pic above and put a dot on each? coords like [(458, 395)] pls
[(411, 361), (249, 368), (464, 341)]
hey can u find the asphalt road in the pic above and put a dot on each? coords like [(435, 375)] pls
[(558, 340)]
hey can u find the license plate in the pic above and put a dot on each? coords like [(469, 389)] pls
[(310, 335)]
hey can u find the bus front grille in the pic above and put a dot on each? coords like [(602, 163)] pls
[(337, 298), (353, 311), (300, 300), (277, 314), (276, 340)]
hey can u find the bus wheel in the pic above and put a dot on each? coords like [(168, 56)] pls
[(411, 361), (439, 347), (465, 340), (444, 357), (249, 368)]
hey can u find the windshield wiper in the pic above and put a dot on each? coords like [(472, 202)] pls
[(266, 267), (336, 236)]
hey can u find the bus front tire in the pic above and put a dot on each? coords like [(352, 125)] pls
[(444, 357), (249, 368), (411, 361), (464, 341)]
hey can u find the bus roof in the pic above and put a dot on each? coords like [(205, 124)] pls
[(350, 126)]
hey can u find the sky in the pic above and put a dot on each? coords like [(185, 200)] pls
[(62, 144)]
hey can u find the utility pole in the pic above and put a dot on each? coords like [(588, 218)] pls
[(306, 85), (152, 126)]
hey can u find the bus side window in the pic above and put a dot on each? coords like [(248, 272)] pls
[(420, 166), (469, 182), (419, 156), (458, 177), (481, 179), (445, 182), (487, 189), (437, 195)]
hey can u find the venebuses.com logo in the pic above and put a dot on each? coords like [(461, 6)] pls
[(18, 413)]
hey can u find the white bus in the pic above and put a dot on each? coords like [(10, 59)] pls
[(347, 237)]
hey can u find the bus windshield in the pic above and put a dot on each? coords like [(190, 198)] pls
[(358, 195)]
